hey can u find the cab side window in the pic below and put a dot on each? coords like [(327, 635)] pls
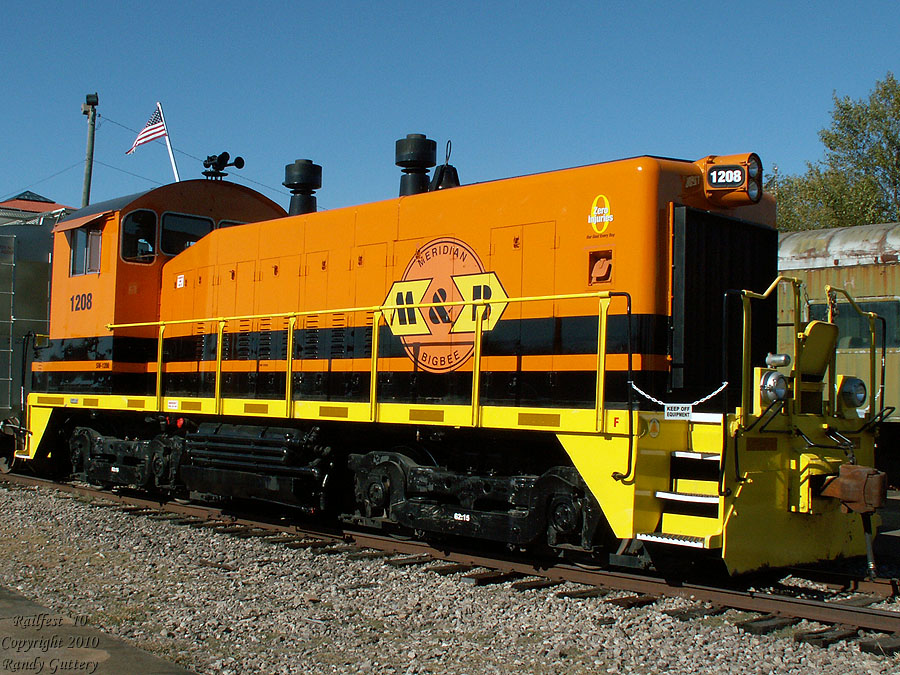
[(84, 244), (139, 237), (180, 232)]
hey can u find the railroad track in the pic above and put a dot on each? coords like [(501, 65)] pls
[(844, 617)]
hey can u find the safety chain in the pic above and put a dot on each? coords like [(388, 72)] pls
[(663, 404)]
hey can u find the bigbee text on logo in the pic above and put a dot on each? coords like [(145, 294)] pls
[(441, 338)]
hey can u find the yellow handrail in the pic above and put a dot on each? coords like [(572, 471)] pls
[(476, 365), (289, 368), (746, 364), (600, 393), (369, 308), (380, 312), (832, 377), (220, 331), (373, 371), (159, 364)]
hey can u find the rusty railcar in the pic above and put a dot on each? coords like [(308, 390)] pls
[(865, 261)]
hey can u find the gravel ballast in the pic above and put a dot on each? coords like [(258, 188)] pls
[(220, 604)]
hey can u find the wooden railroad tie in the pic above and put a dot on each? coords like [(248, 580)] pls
[(534, 584), (767, 624), (693, 613), (632, 601), (450, 568), (593, 592), (410, 560), (490, 577), (825, 636)]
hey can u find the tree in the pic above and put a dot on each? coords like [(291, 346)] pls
[(858, 182)]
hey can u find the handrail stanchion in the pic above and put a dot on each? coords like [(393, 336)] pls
[(220, 331), (159, 367), (871, 316), (476, 362), (373, 370), (746, 364), (600, 392), (289, 368)]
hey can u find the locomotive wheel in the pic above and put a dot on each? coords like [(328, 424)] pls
[(7, 458), (80, 448), (8, 442), (565, 515)]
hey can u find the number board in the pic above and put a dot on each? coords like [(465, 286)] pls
[(725, 176)]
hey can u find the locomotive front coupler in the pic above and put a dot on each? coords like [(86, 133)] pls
[(862, 490)]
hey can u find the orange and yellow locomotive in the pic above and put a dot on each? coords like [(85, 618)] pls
[(558, 362)]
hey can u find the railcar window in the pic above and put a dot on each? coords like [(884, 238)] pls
[(85, 247), (139, 237), (854, 329), (229, 223), (180, 232)]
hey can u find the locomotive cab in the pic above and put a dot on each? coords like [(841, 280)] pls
[(108, 260)]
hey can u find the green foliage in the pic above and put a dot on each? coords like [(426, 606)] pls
[(858, 182)]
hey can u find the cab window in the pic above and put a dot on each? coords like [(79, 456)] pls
[(84, 243), (180, 232), (139, 237)]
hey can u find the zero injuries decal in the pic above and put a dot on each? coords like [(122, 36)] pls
[(600, 215), (442, 338)]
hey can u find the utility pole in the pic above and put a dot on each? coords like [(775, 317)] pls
[(89, 108)]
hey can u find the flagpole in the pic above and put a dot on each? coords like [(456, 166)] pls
[(168, 143)]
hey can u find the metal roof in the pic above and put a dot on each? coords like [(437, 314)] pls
[(15, 217), (839, 246), (72, 223), (108, 205), (30, 196)]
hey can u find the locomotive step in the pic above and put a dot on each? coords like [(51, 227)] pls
[(680, 539), (691, 497), (704, 456)]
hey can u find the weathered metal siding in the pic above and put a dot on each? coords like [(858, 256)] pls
[(840, 247), (865, 261)]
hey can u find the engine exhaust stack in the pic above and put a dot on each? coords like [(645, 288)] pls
[(415, 154), (302, 178)]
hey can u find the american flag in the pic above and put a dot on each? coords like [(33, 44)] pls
[(155, 128)]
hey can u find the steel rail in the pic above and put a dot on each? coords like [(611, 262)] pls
[(836, 613), (754, 601)]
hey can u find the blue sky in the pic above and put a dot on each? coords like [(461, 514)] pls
[(518, 87)]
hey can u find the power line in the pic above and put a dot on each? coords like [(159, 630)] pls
[(115, 168), (42, 180), (104, 118), (158, 140), (194, 157)]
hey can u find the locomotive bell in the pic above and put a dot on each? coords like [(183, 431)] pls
[(445, 176)]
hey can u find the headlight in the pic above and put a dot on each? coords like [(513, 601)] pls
[(773, 387), (853, 392), (753, 191), (753, 166)]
